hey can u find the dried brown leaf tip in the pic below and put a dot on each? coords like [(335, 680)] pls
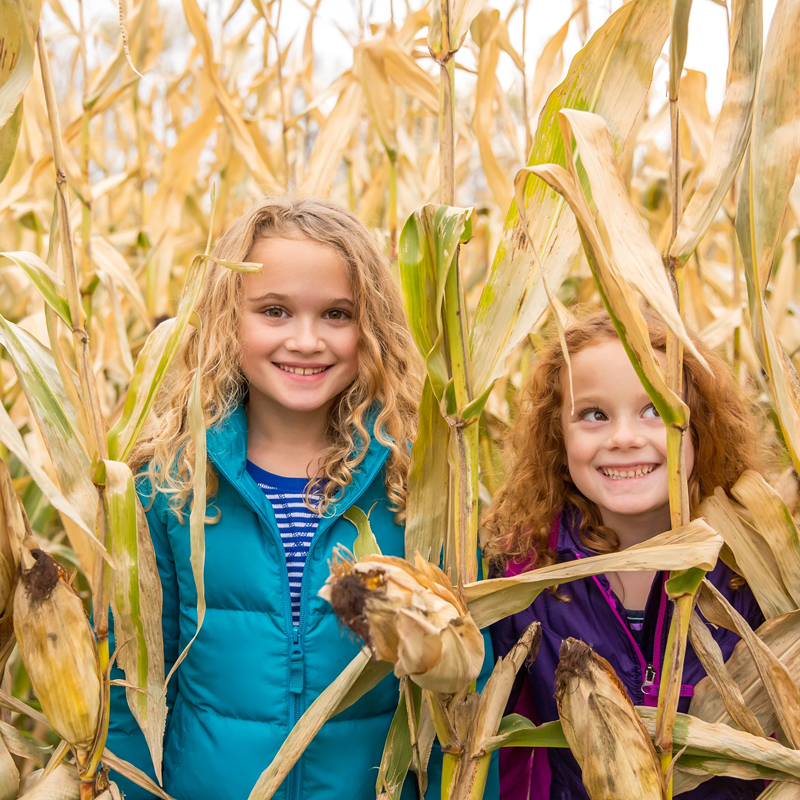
[(602, 728), (409, 615)]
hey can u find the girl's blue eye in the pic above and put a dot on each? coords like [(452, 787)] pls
[(651, 413), (593, 415), (275, 312)]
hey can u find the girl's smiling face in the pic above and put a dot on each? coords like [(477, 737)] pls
[(298, 338), (615, 442)]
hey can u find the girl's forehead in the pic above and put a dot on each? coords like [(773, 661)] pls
[(604, 367), (297, 266)]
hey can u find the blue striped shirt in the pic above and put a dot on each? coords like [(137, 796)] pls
[(296, 523)]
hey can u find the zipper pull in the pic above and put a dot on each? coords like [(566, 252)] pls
[(649, 676), (296, 663)]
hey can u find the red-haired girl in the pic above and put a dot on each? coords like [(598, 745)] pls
[(591, 478)]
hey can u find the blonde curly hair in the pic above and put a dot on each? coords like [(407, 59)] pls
[(389, 376)]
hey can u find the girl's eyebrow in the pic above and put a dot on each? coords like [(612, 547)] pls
[(275, 297)]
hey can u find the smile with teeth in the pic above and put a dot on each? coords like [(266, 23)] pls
[(301, 370), (628, 472)]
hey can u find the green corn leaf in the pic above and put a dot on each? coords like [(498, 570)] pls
[(619, 299), (197, 516), (56, 418), (136, 605), (704, 738), (398, 751), (79, 533), (426, 507), (518, 731), (427, 251), (610, 76), (366, 544), (50, 286)]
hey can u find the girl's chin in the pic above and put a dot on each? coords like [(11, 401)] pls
[(634, 509)]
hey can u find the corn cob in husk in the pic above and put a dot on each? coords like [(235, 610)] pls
[(604, 732), (409, 615), (58, 649)]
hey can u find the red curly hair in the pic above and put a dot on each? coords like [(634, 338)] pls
[(726, 437)]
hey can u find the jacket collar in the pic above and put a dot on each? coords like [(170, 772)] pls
[(226, 443), (569, 544)]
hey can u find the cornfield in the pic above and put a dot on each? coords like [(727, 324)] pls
[(122, 157)]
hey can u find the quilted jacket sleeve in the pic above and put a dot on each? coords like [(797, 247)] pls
[(125, 739)]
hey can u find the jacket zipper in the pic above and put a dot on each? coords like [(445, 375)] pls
[(648, 671), (296, 652), (287, 605), (298, 634)]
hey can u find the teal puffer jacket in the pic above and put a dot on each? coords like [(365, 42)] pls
[(250, 674)]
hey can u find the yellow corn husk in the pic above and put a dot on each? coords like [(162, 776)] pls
[(604, 732), (58, 649), (409, 615)]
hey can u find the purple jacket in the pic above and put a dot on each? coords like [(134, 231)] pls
[(595, 615)]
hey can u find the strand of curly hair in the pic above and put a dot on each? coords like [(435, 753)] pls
[(389, 375)]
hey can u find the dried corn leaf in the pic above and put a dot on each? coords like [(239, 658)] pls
[(754, 559), (9, 774), (693, 545), (634, 255), (239, 132), (61, 784), (610, 76), (780, 634), (710, 655), (782, 691), (732, 129), (722, 740), (774, 522), (19, 22)]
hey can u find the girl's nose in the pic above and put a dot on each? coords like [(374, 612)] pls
[(625, 433), (304, 337)]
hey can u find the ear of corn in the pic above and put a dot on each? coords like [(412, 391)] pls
[(409, 615), (58, 649), (604, 733)]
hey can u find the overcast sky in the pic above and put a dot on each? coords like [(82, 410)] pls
[(707, 51)]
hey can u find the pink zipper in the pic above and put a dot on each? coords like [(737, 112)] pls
[(650, 674)]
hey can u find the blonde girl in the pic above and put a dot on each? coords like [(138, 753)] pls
[(310, 386), (591, 478)]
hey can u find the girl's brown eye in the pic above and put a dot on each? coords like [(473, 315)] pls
[(336, 314), (274, 312)]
